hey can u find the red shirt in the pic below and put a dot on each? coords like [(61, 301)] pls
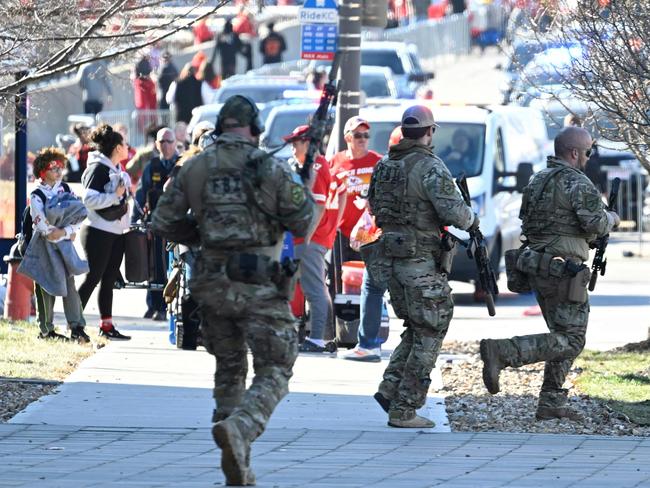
[(356, 174), (145, 93), (325, 190)]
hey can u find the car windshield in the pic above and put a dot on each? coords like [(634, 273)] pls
[(282, 124), (386, 57), (259, 94), (460, 145), (375, 86)]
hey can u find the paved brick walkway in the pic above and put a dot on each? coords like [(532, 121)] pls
[(60, 456)]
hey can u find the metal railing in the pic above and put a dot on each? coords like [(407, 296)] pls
[(633, 203), (433, 38), (136, 121)]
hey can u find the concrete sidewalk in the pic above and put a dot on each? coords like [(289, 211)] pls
[(137, 414)]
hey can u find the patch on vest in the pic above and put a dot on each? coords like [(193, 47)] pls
[(297, 195), (448, 187), (591, 202)]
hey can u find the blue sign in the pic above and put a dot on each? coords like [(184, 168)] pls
[(318, 29), (319, 41)]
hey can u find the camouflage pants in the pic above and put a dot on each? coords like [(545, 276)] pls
[(567, 323), (235, 317), (422, 297)]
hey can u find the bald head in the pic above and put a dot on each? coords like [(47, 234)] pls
[(166, 143), (572, 139)]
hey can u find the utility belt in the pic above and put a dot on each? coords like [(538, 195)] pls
[(525, 262), (399, 245), (258, 269)]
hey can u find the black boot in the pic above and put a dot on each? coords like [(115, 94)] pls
[(492, 364)]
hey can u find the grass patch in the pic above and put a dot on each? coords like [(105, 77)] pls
[(620, 378), (23, 355)]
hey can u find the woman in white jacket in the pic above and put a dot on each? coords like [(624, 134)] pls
[(106, 191)]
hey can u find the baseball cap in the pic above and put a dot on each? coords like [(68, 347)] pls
[(354, 122), (299, 132), (416, 117)]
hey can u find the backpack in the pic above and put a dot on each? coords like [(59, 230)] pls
[(27, 224)]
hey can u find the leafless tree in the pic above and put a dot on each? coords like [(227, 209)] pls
[(612, 72), (40, 39)]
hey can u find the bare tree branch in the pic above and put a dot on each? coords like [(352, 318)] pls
[(77, 35), (612, 73)]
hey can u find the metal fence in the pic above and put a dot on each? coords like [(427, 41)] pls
[(433, 38), (136, 121), (633, 203)]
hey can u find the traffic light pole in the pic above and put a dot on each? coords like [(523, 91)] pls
[(349, 101)]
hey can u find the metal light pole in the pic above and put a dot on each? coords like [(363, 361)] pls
[(349, 101), (20, 152)]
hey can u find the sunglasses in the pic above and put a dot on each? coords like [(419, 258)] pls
[(167, 141), (55, 166), (588, 152), (361, 135)]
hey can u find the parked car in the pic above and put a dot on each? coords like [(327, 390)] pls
[(547, 71), (261, 89), (378, 82), (281, 121), (400, 58), (518, 55)]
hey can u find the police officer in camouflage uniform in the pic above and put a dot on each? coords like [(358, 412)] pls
[(412, 196), (242, 200), (562, 213)]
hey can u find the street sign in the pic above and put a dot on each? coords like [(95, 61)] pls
[(319, 29)]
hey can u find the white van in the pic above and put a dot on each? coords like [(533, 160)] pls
[(505, 145)]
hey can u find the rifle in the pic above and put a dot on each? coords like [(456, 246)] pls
[(477, 250), (319, 127), (599, 264)]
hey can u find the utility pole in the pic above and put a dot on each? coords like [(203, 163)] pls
[(20, 167), (349, 101)]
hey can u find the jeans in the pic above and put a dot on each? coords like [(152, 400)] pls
[(312, 281), (372, 295)]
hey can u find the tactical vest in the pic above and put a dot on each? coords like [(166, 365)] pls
[(540, 212), (230, 219), (159, 176), (391, 202)]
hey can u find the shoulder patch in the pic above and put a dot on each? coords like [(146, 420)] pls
[(297, 195), (591, 201), (447, 187)]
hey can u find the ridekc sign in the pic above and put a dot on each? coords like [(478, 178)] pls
[(319, 29)]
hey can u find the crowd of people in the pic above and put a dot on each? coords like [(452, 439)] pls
[(121, 187)]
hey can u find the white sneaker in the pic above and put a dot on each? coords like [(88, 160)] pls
[(362, 354)]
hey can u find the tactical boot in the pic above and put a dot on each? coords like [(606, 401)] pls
[(234, 453), (384, 402), (492, 365), (550, 413), (405, 421)]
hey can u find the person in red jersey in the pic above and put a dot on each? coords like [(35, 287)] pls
[(354, 166), (329, 194)]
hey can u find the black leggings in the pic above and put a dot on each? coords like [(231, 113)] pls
[(104, 251)]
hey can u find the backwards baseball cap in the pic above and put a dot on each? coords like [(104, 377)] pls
[(299, 133), (417, 116), (354, 122)]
